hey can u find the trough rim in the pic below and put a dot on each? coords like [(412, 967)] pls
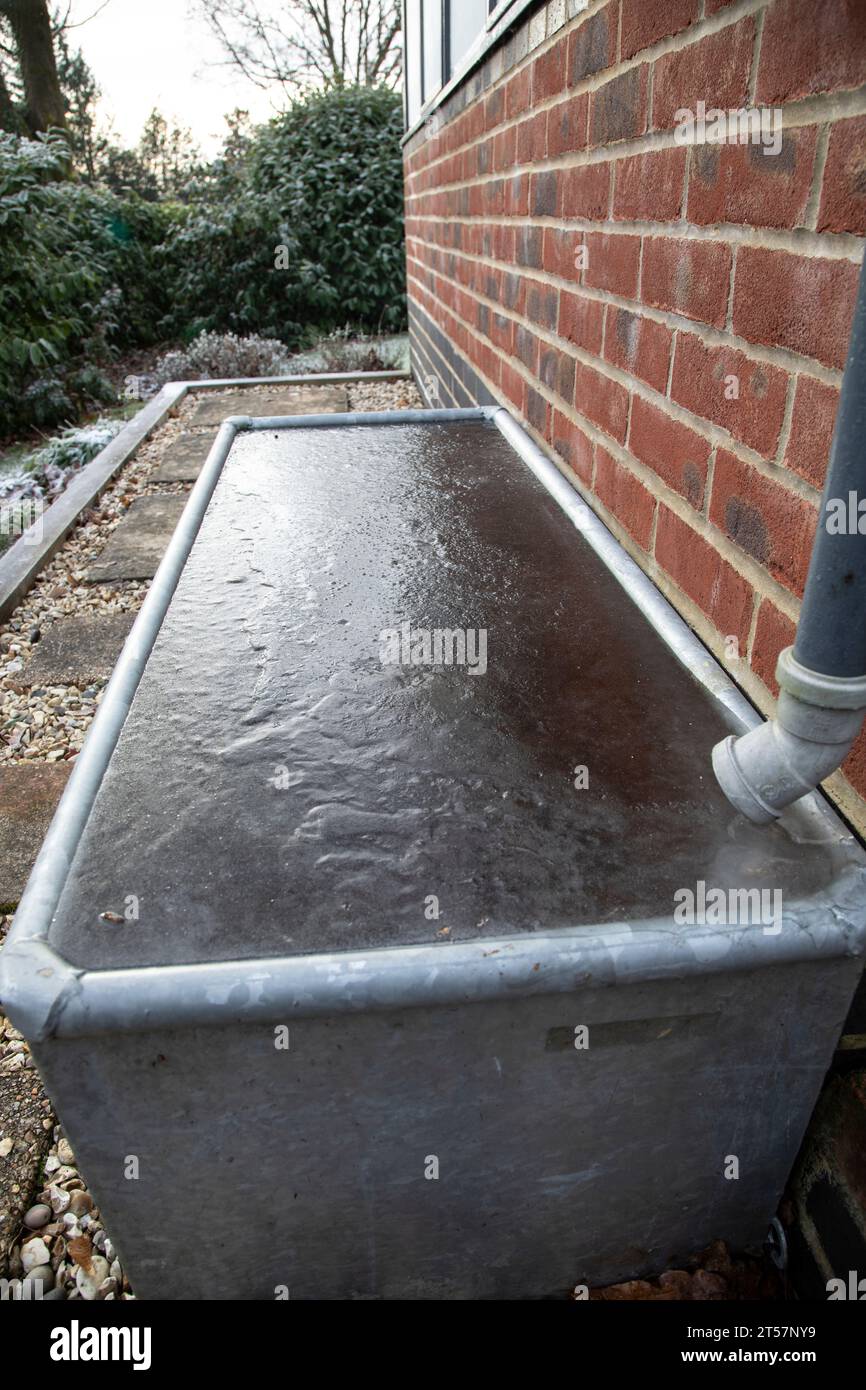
[(22, 562), (46, 996)]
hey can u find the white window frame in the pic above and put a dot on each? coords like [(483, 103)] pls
[(498, 11), (505, 12)]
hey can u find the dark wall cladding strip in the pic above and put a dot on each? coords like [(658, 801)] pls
[(474, 391), (446, 379)]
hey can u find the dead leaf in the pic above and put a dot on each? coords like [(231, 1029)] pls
[(81, 1250)]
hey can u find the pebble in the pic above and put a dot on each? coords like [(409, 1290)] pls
[(80, 1203), (65, 1154), (43, 1275), (34, 1253), (59, 1200), (89, 1281), (37, 1217), (6, 1147)]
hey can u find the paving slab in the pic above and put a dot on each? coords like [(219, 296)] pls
[(184, 459), (318, 400), (139, 542), (77, 651), (29, 793)]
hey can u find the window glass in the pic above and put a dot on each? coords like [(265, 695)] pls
[(467, 20), (432, 10), (412, 48)]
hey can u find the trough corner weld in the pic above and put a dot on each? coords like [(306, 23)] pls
[(36, 985)]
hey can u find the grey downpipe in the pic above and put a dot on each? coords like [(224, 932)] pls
[(822, 678)]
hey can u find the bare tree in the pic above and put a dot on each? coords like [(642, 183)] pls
[(33, 36), (299, 43)]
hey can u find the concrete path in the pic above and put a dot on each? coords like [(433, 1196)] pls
[(310, 400), (138, 544), (78, 651), (29, 793), (183, 459)]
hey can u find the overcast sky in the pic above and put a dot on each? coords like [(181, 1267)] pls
[(147, 53)]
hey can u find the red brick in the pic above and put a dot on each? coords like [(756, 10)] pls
[(601, 400), (803, 303), (592, 47), (556, 371), (811, 46), (843, 196), (624, 495), (517, 196), (537, 411), (774, 632), (548, 73), (704, 575), (529, 247), (502, 332), (687, 277), (544, 198), (494, 109), (505, 149), (677, 454), (513, 386), (526, 348), (566, 126), (613, 263), (639, 345), (542, 305), (518, 93), (740, 183), (573, 446), (854, 766), (765, 519), (532, 139), (808, 452), (560, 249), (618, 110), (700, 383), (644, 22), (586, 191), (581, 321), (714, 70), (649, 187)]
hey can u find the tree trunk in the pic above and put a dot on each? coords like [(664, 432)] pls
[(44, 106), (10, 118)]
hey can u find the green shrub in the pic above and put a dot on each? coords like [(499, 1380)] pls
[(78, 272), (320, 193), (298, 235)]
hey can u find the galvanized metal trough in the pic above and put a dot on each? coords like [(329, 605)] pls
[(393, 939)]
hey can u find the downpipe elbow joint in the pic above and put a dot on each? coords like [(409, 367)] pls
[(817, 722)]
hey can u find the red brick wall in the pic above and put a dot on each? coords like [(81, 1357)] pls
[(703, 264)]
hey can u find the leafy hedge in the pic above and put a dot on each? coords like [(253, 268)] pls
[(324, 182), (87, 272), (77, 280)]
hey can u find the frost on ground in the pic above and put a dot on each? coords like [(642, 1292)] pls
[(47, 471)]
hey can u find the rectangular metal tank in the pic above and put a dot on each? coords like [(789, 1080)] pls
[(423, 988)]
